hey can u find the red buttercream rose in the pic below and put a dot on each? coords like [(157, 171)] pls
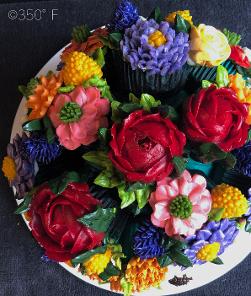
[(239, 57), (216, 116), (54, 221), (143, 146)]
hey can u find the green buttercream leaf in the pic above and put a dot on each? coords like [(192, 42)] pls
[(27, 90), (109, 271), (65, 89), (126, 287), (130, 107), (99, 57), (104, 135), (101, 84), (248, 227), (179, 164), (222, 79), (82, 258), (49, 130), (156, 15), (33, 125), (216, 214), (133, 98), (116, 112), (114, 39), (108, 179), (217, 261), (180, 258), (80, 33), (99, 220), (206, 83), (59, 184), (181, 25), (98, 159), (232, 37), (25, 204), (164, 260), (168, 111), (128, 197), (147, 102)]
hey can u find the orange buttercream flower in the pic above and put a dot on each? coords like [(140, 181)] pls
[(143, 274), (89, 47), (115, 283), (238, 84), (43, 95)]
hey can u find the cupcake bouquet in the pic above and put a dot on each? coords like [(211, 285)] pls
[(135, 153)]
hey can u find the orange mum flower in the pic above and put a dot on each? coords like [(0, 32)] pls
[(143, 274), (43, 96), (92, 43), (115, 283), (238, 84)]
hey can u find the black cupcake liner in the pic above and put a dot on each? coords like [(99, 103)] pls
[(200, 73), (124, 79)]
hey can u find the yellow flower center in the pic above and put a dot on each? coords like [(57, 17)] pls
[(9, 168), (97, 263), (230, 199), (157, 39), (208, 252), (170, 18)]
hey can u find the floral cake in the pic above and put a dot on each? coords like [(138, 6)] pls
[(135, 153)]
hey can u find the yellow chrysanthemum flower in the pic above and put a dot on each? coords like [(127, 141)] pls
[(230, 199), (97, 263), (208, 252), (78, 68), (143, 274), (170, 18), (9, 168)]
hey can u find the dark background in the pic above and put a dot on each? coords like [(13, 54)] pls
[(25, 46)]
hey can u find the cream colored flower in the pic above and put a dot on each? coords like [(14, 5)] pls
[(209, 46)]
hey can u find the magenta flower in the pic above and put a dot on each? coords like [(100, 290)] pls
[(181, 205), (78, 115)]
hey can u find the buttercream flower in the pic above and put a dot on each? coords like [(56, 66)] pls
[(216, 116), (97, 263), (39, 149), (54, 221), (92, 43), (148, 241), (209, 46), (238, 84), (18, 167), (243, 159), (239, 57), (185, 14), (143, 146), (43, 95), (211, 241), (78, 115), (154, 48), (79, 67), (181, 205), (143, 274), (230, 199), (125, 15)]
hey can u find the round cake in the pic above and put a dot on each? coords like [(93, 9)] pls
[(133, 165)]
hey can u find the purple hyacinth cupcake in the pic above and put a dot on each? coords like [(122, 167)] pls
[(153, 58)]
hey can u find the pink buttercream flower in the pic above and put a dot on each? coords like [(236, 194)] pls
[(78, 115), (181, 205)]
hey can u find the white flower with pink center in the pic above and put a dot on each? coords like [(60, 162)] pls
[(181, 205)]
